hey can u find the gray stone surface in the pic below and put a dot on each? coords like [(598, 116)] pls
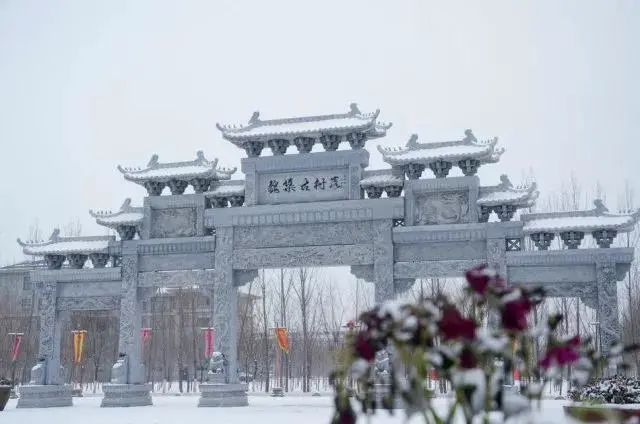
[(44, 396), (222, 395), (125, 395)]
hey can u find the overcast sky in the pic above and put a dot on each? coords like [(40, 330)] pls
[(88, 85)]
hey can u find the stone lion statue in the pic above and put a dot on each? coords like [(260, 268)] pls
[(38, 372), (119, 370), (217, 368)]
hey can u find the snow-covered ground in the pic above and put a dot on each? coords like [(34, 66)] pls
[(293, 409)]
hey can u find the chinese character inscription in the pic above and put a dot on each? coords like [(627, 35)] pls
[(283, 187)]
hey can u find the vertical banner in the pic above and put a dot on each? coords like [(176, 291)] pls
[(145, 335), (15, 345), (78, 345), (282, 337), (208, 342)]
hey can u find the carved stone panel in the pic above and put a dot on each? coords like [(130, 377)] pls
[(607, 305), (305, 186), (93, 303), (446, 207), (303, 235), (284, 257), (176, 222)]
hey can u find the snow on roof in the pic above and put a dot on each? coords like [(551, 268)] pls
[(506, 193), (308, 126), (163, 172), (451, 151), (226, 190), (586, 221), (127, 215), (381, 178), (57, 245)]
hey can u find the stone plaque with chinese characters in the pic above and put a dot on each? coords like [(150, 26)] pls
[(290, 187)]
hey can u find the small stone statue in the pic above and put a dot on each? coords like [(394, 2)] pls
[(38, 372), (382, 366), (217, 368), (119, 370)]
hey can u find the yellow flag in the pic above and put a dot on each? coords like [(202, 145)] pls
[(78, 345)]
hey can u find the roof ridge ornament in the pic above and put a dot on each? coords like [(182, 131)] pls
[(469, 137), (600, 208), (153, 161), (413, 141), (55, 235), (255, 118), (355, 110), (505, 182)]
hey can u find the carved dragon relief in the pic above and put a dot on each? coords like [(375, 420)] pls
[(442, 208)]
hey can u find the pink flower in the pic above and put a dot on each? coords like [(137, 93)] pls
[(482, 277), (452, 325), (562, 354), (363, 347), (467, 358), (514, 314)]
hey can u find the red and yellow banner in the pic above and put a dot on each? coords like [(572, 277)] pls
[(78, 345), (15, 345), (282, 338), (207, 334)]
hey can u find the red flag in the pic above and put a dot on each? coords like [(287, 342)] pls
[(145, 334), (15, 347), (282, 337), (208, 342)]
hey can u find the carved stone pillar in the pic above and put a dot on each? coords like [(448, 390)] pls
[(607, 311), (50, 332), (225, 316), (383, 260), (497, 255), (128, 385), (131, 317), (46, 388)]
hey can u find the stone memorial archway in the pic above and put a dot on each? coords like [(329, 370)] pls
[(325, 208)]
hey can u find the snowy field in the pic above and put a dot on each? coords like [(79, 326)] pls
[(181, 409)]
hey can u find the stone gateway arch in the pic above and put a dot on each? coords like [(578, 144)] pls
[(421, 217)]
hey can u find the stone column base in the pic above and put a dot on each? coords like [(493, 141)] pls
[(222, 395), (380, 390), (277, 392), (123, 395), (44, 396)]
